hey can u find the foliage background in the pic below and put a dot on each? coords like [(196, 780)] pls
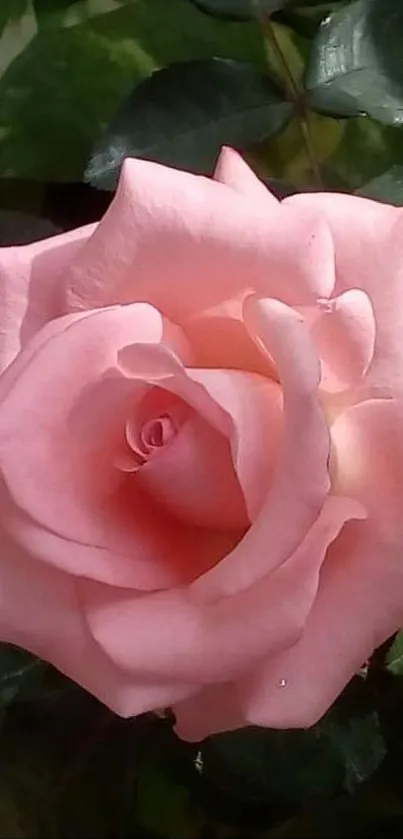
[(76, 94)]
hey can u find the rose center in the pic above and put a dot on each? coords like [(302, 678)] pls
[(156, 433)]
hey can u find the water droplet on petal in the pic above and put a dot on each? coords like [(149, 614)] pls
[(282, 683)]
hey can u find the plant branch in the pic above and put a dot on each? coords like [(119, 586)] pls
[(294, 93)]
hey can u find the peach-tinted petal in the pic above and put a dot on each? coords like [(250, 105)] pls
[(254, 404), (182, 637), (39, 611), (368, 239), (367, 461), (30, 292), (219, 338), (232, 171), (185, 243), (358, 606), (212, 709), (301, 480), (193, 478), (193, 723), (159, 366), (71, 504), (344, 332)]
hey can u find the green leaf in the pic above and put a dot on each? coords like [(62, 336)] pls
[(305, 17), (360, 745), (338, 753), (182, 115), (240, 9), (16, 668), (46, 6), (163, 806), (388, 188), (254, 763), (11, 11), (59, 94), (394, 658), (356, 64)]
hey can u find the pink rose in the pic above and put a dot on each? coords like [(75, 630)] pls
[(201, 447)]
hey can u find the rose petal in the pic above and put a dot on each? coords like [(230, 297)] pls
[(194, 478), (301, 480), (368, 239), (232, 171), (254, 404), (367, 461), (220, 339), (183, 637), (66, 487), (186, 243), (344, 332), (359, 605), (30, 287), (39, 611), (203, 713)]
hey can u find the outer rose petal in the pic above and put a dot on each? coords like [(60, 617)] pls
[(183, 637), (368, 241), (186, 243), (195, 719), (30, 293), (232, 171), (39, 611), (358, 606)]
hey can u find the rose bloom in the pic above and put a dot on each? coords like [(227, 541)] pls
[(201, 447)]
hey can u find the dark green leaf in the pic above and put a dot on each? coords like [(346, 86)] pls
[(16, 667), (394, 657), (59, 94), (338, 753), (240, 9), (42, 6), (360, 745), (182, 115), (388, 188), (304, 17), (356, 62), (11, 10), (255, 763)]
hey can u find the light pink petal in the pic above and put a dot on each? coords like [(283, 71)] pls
[(65, 410), (159, 366), (367, 461), (30, 291), (232, 171), (211, 710), (219, 338), (368, 241), (196, 721), (181, 636), (186, 243), (254, 404), (193, 478), (39, 611), (358, 606), (344, 333), (301, 481)]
